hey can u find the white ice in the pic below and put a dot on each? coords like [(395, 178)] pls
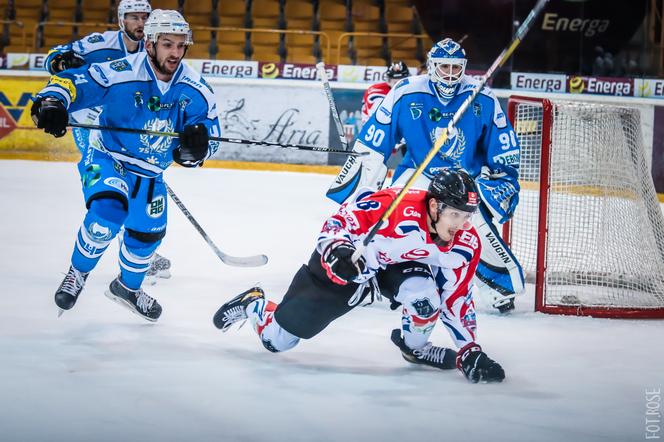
[(99, 373)]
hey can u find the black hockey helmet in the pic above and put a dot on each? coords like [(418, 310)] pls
[(454, 188), (397, 71)]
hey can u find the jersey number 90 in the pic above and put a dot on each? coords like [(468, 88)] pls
[(375, 136)]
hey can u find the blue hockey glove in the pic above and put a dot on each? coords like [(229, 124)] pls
[(193, 146), (50, 114), (499, 194)]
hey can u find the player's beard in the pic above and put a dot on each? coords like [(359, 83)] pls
[(165, 67), (136, 34)]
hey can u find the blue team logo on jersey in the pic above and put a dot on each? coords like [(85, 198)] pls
[(156, 144), (416, 110), (95, 38), (121, 65)]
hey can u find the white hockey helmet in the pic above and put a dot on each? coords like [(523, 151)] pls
[(129, 6), (450, 54), (167, 22)]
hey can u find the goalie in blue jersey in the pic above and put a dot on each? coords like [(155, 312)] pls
[(121, 173), (418, 109)]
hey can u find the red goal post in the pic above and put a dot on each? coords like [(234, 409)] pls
[(589, 230)]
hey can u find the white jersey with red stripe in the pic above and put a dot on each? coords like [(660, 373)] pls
[(406, 237), (372, 98)]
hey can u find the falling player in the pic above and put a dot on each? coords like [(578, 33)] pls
[(98, 48), (428, 242), (418, 109), (122, 174)]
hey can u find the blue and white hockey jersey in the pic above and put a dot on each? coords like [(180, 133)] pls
[(132, 97), (413, 111), (95, 48)]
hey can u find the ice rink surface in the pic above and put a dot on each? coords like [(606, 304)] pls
[(99, 373)]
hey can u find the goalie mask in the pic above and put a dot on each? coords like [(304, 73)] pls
[(132, 6), (167, 22), (446, 64)]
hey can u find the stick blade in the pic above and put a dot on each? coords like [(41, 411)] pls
[(244, 261)]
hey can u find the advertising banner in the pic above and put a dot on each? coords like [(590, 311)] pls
[(275, 113), (601, 85), (523, 81), (225, 68)]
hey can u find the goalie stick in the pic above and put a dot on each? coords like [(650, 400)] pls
[(333, 107), (221, 139), (237, 261), (502, 58)]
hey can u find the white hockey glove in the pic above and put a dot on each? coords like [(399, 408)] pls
[(499, 194)]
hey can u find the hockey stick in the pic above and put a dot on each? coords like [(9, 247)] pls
[(502, 58), (333, 107), (222, 139), (237, 261)]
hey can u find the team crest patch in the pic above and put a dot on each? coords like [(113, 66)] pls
[(120, 65), (96, 38), (156, 207), (92, 175), (423, 308), (416, 110), (154, 103), (477, 109)]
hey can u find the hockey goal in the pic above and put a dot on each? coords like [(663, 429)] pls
[(589, 229)]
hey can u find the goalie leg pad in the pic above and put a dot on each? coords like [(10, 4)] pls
[(499, 276)]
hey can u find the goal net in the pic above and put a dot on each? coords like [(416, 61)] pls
[(589, 229)]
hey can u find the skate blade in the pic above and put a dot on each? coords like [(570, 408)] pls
[(60, 311), (126, 305)]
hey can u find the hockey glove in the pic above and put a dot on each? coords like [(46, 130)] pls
[(193, 146), (476, 366), (499, 193), (65, 60), (50, 114), (337, 260)]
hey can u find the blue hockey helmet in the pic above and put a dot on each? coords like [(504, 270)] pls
[(446, 64)]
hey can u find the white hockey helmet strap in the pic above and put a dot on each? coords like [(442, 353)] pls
[(167, 22), (130, 6), (446, 52)]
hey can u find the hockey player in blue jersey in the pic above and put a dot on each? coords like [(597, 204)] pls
[(121, 173), (483, 143), (98, 48)]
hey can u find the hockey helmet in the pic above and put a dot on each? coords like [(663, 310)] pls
[(454, 188), (446, 64), (167, 22), (397, 71), (129, 6)]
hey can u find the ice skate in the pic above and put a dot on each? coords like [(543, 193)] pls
[(137, 301), (159, 269), (431, 355), (72, 286), (235, 309)]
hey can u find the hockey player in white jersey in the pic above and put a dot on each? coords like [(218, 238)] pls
[(428, 241), (121, 174), (483, 143)]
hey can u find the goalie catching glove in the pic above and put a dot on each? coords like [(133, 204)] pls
[(337, 260), (193, 146), (50, 114), (476, 366), (65, 60), (499, 193)]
